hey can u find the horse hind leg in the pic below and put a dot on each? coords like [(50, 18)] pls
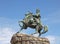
[(39, 31), (36, 31), (39, 34), (45, 29)]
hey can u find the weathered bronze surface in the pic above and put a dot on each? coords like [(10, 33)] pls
[(33, 21)]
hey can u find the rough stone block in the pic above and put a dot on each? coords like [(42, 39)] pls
[(28, 39)]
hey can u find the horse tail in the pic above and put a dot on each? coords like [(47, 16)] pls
[(45, 29)]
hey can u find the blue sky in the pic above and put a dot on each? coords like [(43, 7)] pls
[(11, 11)]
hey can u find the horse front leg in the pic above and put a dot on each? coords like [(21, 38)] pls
[(20, 30)]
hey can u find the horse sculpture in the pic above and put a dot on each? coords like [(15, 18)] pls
[(25, 23)]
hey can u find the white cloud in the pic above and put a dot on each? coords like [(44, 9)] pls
[(5, 35), (53, 39), (36, 35)]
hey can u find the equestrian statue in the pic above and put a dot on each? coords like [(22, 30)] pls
[(34, 22)]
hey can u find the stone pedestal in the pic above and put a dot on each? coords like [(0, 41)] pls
[(28, 39)]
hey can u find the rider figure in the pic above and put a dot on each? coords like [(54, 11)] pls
[(34, 18), (30, 17), (37, 17)]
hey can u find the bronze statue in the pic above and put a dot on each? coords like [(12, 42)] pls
[(33, 21)]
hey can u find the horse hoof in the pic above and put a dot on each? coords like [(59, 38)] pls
[(31, 34), (17, 32)]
